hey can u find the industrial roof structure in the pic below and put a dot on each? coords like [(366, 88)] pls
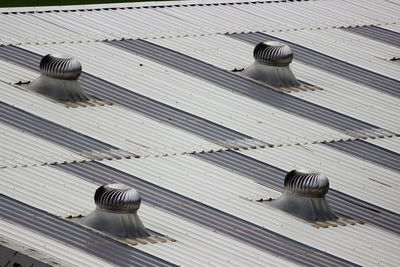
[(206, 147)]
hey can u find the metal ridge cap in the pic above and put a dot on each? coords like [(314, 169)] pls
[(130, 5)]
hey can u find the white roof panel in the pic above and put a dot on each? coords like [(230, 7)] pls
[(30, 239), (356, 100), (187, 20), (350, 175), (21, 149), (63, 194), (115, 125), (349, 47), (221, 189), (197, 28), (185, 92)]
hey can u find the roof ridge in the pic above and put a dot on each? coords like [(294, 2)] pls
[(135, 5), (317, 28)]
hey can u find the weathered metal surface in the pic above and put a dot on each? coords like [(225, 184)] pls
[(367, 151), (235, 83), (377, 33), (273, 177), (207, 216), (330, 64), (75, 235), (77, 142), (156, 110)]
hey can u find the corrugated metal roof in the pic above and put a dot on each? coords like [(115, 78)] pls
[(256, 91), (349, 47), (219, 188), (64, 194), (365, 103), (270, 176), (392, 144), (75, 235), (32, 240), (331, 64), (20, 149), (75, 141), (183, 91), (208, 216), (377, 33), (82, 25), (202, 203), (129, 130)]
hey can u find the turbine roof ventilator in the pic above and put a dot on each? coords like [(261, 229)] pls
[(304, 196), (271, 65), (59, 79), (116, 212)]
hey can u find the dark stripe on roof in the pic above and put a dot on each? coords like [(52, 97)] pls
[(144, 105), (377, 33), (60, 135), (370, 152), (273, 177), (207, 216), (330, 64), (75, 235), (238, 84)]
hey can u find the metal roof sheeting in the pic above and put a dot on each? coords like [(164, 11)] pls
[(63, 194), (200, 203), (392, 144), (129, 130), (377, 33), (254, 90), (184, 92), (349, 47), (49, 246), (208, 216), (350, 175), (365, 103), (21, 149), (156, 22), (331, 64), (75, 141), (218, 188), (76, 236)]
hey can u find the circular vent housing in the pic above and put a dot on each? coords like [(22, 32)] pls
[(273, 53), (304, 196), (308, 184), (60, 67), (117, 197)]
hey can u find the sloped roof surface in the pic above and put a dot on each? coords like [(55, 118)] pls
[(206, 147)]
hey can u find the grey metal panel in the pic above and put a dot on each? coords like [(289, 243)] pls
[(238, 84), (142, 104), (377, 33), (330, 64), (273, 177), (370, 152), (207, 216), (75, 235), (80, 143)]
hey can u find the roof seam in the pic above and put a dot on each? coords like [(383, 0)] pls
[(197, 152), (152, 5), (199, 35)]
